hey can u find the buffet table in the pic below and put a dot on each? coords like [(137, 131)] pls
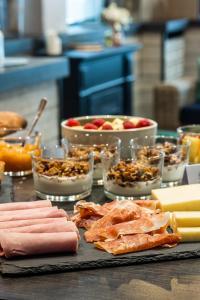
[(177, 279)]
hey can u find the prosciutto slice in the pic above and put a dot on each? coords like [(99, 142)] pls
[(142, 225), (21, 244), (25, 205), (118, 215), (137, 242), (32, 214), (57, 226)]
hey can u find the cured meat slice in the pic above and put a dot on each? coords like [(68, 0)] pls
[(87, 209), (142, 225), (21, 244), (57, 226), (151, 204), (118, 215), (29, 214), (137, 242), (25, 205), (22, 223)]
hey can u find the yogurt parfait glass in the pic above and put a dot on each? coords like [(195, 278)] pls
[(61, 178), (191, 134), (80, 146), (126, 176), (175, 156)]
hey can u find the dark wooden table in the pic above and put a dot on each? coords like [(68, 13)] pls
[(164, 281)]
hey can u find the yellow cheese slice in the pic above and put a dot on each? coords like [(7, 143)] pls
[(179, 198), (189, 234), (186, 218)]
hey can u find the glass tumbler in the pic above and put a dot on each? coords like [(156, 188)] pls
[(127, 176), (80, 146), (61, 178), (191, 134), (175, 156)]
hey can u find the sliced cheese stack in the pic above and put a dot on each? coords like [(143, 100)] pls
[(184, 202), (189, 234), (179, 198), (187, 224), (185, 219)]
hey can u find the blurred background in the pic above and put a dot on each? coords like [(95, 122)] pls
[(134, 57)]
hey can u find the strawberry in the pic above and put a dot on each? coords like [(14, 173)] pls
[(143, 123), (128, 124), (90, 126), (72, 123), (98, 122), (107, 127)]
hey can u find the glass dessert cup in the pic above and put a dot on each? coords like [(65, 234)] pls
[(191, 134), (17, 151), (95, 143), (127, 177), (60, 178), (175, 156)]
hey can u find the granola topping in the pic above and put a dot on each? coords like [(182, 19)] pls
[(61, 168), (85, 150), (169, 149), (128, 173)]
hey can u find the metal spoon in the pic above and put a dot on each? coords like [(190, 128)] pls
[(40, 110)]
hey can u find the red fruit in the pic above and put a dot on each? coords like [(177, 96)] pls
[(72, 122), (128, 124), (107, 127), (90, 126), (98, 122), (143, 123)]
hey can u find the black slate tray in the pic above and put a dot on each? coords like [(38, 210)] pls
[(88, 257), (6, 190)]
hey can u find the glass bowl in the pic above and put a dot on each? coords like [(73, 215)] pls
[(96, 144), (60, 178), (191, 134), (17, 152), (126, 176), (175, 156)]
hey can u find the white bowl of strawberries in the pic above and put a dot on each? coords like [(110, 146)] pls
[(124, 127)]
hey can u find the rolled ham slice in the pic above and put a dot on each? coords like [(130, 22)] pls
[(31, 210), (33, 214), (22, 223), (25, 205), (22, 244), (57, 226)]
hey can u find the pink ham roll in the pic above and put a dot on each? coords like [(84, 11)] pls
[(23, 223), (21, 244), (25, 205), (31, 210), (57, 226), (49, 212)]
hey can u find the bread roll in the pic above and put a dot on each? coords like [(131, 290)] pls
[(11, 120)]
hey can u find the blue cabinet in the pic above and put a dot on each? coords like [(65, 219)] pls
[(99, 82)]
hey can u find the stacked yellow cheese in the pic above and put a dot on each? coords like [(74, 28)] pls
[(184, 203)]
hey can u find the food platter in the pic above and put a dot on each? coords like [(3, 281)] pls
[(89, 257)]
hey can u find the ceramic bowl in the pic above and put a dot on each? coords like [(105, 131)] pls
[(125, 135)]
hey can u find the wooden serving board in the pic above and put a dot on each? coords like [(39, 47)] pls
[(88, 257)]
